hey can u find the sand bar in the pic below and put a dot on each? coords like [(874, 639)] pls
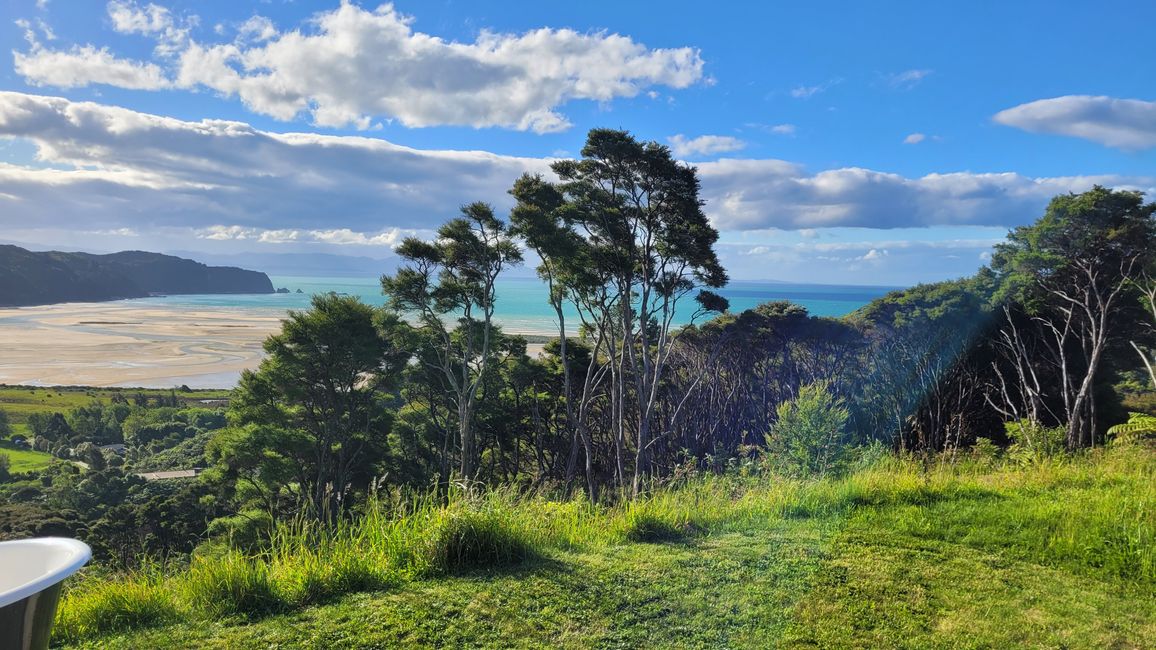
[(134, 344), (122, 344)]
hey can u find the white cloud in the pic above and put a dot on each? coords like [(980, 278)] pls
[(1122, 123), (703, 145), (894, 263), (111, 168), (774, 129), (806, 92), (258, 28), (907, 79), (131, 18), (82, 66), (914, 138), (351, 65), (172, 34), (104, 168), (756, 194)]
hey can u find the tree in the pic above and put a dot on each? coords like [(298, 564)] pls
[(544, 220), (633, 215), (5, 426), (1070, 272), (455, 277), (310, 421)]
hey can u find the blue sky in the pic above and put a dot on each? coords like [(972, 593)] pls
[(883, 143)]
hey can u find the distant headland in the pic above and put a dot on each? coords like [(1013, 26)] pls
[(40, 278)]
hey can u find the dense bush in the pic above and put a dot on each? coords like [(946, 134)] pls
[(809, 435)]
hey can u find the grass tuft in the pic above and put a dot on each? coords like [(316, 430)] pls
[(102, 608), (232, 584), (465, 538)]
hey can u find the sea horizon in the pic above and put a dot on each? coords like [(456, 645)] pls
[(522, 306)]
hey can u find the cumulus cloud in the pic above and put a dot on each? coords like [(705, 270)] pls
[(258, 28), (350, 66), (754, 194), (82, 66), (914, 138), (1122, 123), (104, 168), (703, 145)]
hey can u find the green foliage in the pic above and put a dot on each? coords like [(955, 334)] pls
[(808, 438), (1033, 442), (308, 426), (1139, 425)]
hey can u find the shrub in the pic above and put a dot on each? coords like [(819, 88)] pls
[(808, 436), (1032, 442)]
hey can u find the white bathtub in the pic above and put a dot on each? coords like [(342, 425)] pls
[(31, 573)]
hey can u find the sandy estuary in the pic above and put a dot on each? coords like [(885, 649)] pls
[(122, 344)]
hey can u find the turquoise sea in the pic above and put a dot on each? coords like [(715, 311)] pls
[(522, 305)]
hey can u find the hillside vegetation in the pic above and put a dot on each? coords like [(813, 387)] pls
[(979, 552), (32, 278)]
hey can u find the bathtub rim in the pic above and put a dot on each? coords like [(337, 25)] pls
[(81, 554)]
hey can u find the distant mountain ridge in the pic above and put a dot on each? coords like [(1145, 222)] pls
[(42, 278)]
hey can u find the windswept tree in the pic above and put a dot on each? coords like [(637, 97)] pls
[(631, 215), (453, 280), (545, 220), (1070, 274), (310, 424)]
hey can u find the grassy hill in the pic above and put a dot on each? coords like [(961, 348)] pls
[(975, 553), (21, 401)]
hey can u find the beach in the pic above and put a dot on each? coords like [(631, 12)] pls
[(136, 343), (131, 343)]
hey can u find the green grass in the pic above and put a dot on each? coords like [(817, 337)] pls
[(21, 401), (25, 460), (975, 554)]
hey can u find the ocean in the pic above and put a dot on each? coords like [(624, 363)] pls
[(522, 302)]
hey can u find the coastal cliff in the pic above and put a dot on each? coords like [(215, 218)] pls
[(32, 278)]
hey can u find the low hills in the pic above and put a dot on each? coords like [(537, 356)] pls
[(40, 278)]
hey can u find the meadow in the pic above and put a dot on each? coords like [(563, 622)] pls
[(21, 401), (966, 552)]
